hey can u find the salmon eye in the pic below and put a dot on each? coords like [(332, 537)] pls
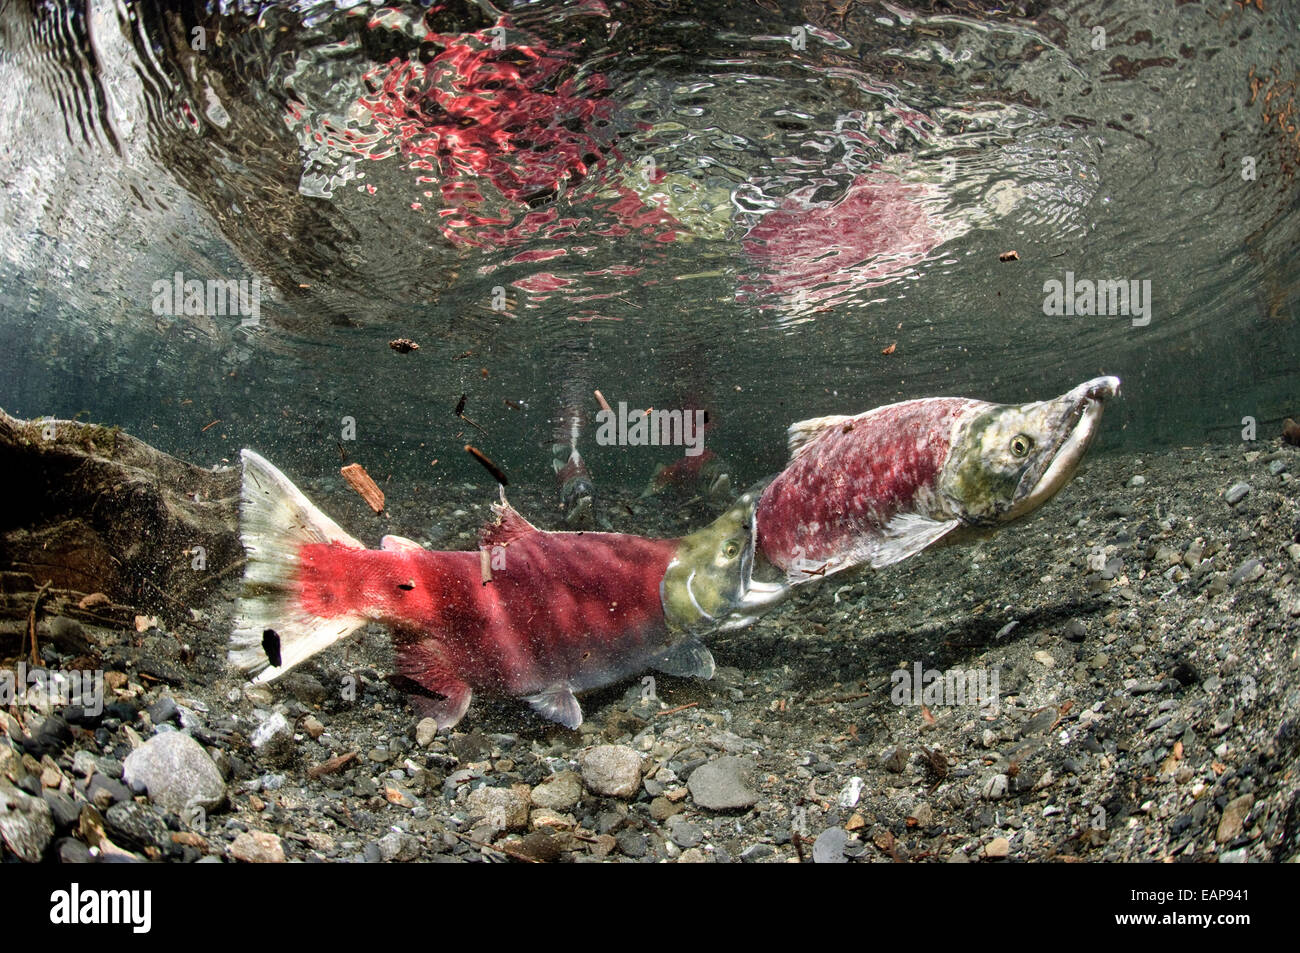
[(1020, 445), (730, 550)]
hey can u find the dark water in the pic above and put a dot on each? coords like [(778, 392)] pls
[(738, 207)]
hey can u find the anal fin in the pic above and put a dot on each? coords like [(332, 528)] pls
[(425, 663), (557, 704)]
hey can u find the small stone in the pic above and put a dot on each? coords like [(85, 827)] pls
[(504, 808), (104, 792), (1137, 480), (683, 832), (425, 732), (829, 846), (997, 847), (1044, 658), (1238, 856), (26, 825), (612, 770), (399, 846), (661, 809), (923, 815), (63, 809), (176, 772), (163, 710), (693, 855), (851, 793), (632, 843), (545, 819), (311, 724), (723, 785), (1236, 493), (305, 687), (756, 852), (994, 788), (895, 760), (136, 827), (257, 847), (1248, 571), (1234, 818), (1075, 631), (560, 792), (273, 740)]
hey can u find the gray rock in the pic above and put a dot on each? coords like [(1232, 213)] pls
[(1239, 856), (399, 846), (611, 770), (1248, 571), (136, 826), (63, 809), (176, 772), (995, 787), (756, 852), (72, 851), (163, 710), (273, 740), (559, 793), (829, 846), (1236, 493), (26, 826), (503, 808), (304, 687), (723, 785), (632, 843), (104, 792), (683, 832)]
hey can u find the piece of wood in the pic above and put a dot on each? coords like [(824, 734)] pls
[(360, 481)]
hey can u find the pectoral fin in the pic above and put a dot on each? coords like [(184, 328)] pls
[(557, 704), (687, 659), (907, 535)]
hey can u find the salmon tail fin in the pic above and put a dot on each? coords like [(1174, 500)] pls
[(272, 632)]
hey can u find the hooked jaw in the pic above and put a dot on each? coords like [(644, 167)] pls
[(1078, 412)]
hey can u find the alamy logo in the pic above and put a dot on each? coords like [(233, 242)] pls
[(75, 906), (1114, 297), (215, 297), (978, 687), (45, 688), (651, 428)]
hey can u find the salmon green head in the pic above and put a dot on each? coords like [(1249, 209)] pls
[(1008, 459), (710, 575)]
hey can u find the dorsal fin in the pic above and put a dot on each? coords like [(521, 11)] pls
[(806, 431), (508, 527)]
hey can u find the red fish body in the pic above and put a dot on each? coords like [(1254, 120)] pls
[(881, 486), (531, 614)]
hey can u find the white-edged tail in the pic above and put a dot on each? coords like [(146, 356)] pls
[(275, 521)]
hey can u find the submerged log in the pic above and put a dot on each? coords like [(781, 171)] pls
[(93, 510)]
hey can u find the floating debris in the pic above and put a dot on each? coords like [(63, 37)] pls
[(360, 481), (403, 345), (891, 349), (604, 404), (1012, 255), (497, 473)]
